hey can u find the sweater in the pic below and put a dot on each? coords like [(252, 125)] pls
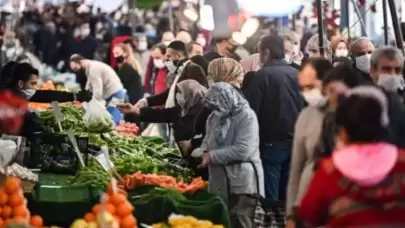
[(335, 201), (102, 80), (307, 133)]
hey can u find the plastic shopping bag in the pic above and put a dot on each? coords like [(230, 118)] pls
[(97, 118)]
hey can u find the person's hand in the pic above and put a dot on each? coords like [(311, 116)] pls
[(142, 103), (84, 96), (128, 109), (185, 147), (206, 160), (290, 224)]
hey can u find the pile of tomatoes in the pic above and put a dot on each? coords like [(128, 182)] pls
[(127, 129)]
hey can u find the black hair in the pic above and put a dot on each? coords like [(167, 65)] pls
[(345, 74), (130, 42), (201, 61), (343, 60), (162, 47), (247, 79), (76, 58), (21, 72), (360, 116), (321, 66), (179, 46), (274, 44), (6, 71), (218, 40)]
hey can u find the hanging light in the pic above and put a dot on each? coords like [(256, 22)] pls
[(191, 14), (239, 38), (250, 27)]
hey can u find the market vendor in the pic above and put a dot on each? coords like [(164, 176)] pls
[(24, 81), (103, 82)]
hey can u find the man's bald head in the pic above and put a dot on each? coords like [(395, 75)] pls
[(361, 46)]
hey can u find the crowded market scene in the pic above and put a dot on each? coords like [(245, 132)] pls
[(202, 113)]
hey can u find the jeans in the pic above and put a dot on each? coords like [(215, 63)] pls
[(114, 111), (276, 157)]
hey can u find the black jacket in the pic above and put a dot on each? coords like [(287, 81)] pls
[(274, 95), (364, 76), (131, 80)]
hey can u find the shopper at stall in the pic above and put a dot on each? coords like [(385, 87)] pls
[(183, 36), (312, 47), (360, 51), (251, 63), (224, 47), (230, 150), (342, 49), (167, 38), (5, 74), (102, 81), (275, 96), (155, 78), (358, 185), (194, 49)]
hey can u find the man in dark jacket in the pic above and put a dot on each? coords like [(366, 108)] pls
[(274, 95), (361, 50)]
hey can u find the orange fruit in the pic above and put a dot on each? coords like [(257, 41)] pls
[(7, 211), (12, 185), (20, 211), (16, 199), (117, 199), (37, 221), (3, 197), (89, 217), (1, 222), (128, 222), (110, 208), (19, 220), (96, 209), (106, 197), (124, 210)]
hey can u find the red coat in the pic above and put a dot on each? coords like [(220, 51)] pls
[(334, 200)]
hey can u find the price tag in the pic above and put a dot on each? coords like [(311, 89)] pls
[(76, 148), (104, 162), (58, 114)]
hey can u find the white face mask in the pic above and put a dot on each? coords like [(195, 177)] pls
[(363, 63), (201, 41), (341, 53), (84, 32), (142, 45), (296, 49), (288, 59), (314, 97), (28, 93), (166, 42), (170, 66), (158, 63), (391, 83)]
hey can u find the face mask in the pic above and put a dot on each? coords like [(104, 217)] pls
[(201, 41), (170, 66), (341, 53), (28, 93), (76, 32), (363, 63), (158, 63), (296, 49), (391, 83), (142, 45), (180, 100), (314, 97), (84, 32), (288, 59), (119, 59), (100, 36), (166, 43)]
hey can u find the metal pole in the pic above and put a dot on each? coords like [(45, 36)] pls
[(293, 22), (344, 14), (360, 16), (396, 26), (320, 27), (385, 17), (170, 12)]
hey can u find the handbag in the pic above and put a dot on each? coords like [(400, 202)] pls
[(267, 213)]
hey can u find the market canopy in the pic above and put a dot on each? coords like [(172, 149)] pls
[(270, 8)]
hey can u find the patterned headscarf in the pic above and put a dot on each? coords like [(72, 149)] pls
[(226, 70), (226, 101)]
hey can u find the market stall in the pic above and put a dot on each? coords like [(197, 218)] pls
[(80, 154)]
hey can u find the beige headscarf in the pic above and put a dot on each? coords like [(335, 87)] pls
[(226, 70), (193, 93)]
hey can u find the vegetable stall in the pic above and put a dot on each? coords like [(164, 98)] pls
[(74, 165)]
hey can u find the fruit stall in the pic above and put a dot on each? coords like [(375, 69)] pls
[(85, 172)]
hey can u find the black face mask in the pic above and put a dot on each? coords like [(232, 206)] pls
[(176, 62), (119, 59)]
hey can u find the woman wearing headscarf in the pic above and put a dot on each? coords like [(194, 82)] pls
[(230, 150), (219, 70)]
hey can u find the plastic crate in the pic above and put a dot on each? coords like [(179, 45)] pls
[(54, 153)]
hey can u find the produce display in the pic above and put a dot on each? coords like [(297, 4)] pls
[(20, 172), (13, 205), (180, 221), (115, 212), (139, 179), (127, 129), (128, 154)]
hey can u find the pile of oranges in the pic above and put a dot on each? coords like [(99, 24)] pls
[(117, 205), (13, 205)]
